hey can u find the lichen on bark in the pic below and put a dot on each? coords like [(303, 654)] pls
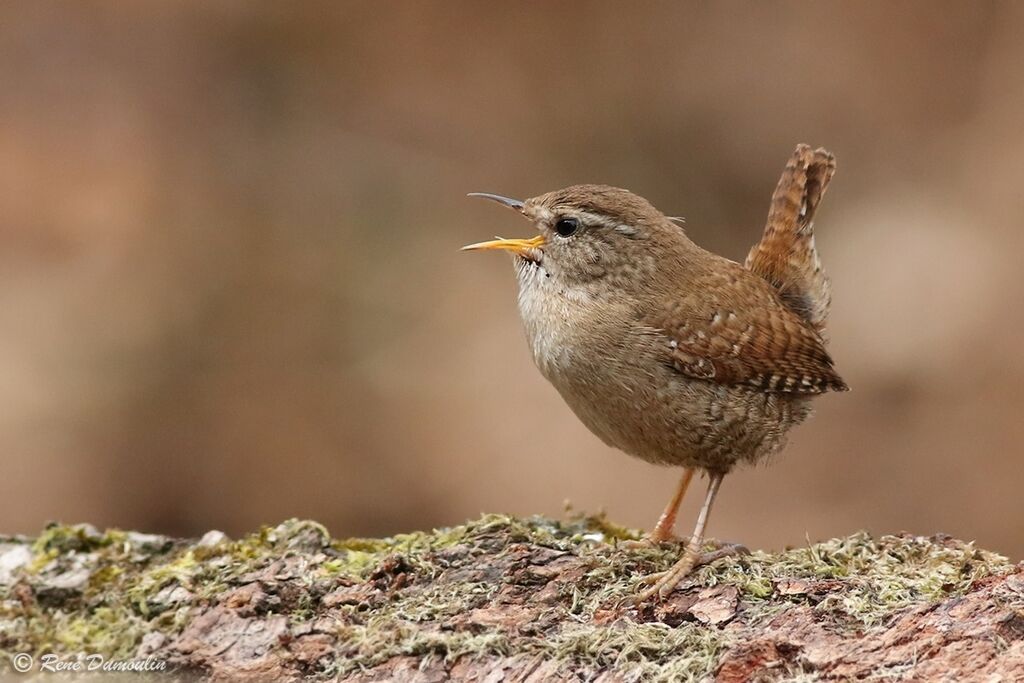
[(500, 596)]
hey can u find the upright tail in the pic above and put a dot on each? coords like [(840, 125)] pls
[(786, 256)]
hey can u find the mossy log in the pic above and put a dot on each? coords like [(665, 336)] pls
[(506, 599)]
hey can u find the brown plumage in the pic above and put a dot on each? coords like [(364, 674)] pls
[(765, 347), (786, 256), (666, 351)]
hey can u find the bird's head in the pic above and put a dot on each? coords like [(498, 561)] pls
[(589, 233)]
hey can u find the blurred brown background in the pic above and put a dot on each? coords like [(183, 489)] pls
[(231, 292)]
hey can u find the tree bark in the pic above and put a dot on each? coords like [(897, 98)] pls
[(506, 599)]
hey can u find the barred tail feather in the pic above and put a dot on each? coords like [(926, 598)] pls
[(786, 256)]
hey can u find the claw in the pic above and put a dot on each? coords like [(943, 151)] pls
[(648, 579), (663, 583), (727, 550)]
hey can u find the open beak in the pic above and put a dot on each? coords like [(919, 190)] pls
[(505, 201), (527, 248)]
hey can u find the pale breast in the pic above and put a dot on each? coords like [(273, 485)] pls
[(580, 345), (555, 323)]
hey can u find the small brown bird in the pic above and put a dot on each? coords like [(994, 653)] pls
[(666, 351)]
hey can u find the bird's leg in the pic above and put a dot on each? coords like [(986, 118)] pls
[(663, 529), (668, 580)]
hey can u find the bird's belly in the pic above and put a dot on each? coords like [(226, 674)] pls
[(666, 418), (620, 387)]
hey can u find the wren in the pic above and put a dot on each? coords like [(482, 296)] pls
[(669, 352)]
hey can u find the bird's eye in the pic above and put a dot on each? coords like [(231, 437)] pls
[(566, 226)]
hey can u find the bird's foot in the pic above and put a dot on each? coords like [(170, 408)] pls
[(663, 583), (651, 540)]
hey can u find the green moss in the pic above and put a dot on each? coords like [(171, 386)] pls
[(58, 538), (179, 570), (875, 577), (113, 631), (417, 585)]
